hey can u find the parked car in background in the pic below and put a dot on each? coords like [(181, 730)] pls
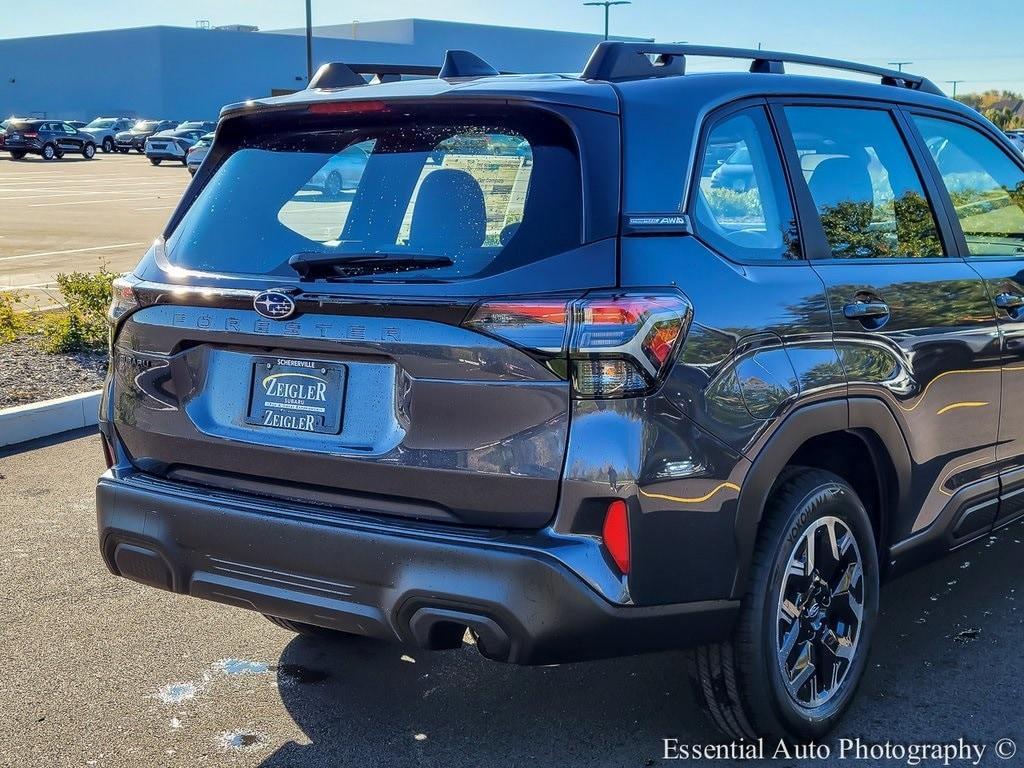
[(342, 172), (197, 153), (206, 126), (735, 172), (50, 139), (1017, 138), (135, 137), (77, 124), (171, 145), (104, 129)]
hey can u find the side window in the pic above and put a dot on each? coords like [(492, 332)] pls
[(742, 206), (985, 185), (863, 182)]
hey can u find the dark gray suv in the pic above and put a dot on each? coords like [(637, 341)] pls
[(538, 375)]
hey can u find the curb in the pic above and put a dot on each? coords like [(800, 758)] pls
[(50, 417)]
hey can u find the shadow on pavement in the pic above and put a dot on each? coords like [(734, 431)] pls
[(931, 678)]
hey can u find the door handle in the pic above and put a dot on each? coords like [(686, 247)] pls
[(866, 310), (1009, 301)]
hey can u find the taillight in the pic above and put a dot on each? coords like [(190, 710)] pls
[(541, 325), (618, 345), (30, 135), (615, 533), (124, 299)]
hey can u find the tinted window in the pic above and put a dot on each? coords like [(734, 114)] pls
[(986, 186), (489, 195), (742, 205), (863, 182)]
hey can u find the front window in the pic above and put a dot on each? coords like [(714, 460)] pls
[(145, 125), (101, 124), (463, 197)]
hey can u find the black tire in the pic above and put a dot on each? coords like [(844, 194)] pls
[(740, 683), (333, 185), (123, 150), (18, 154), (49, 152), (108, 145), (310, 630), (140, 150), (89, 151), (155, 160)]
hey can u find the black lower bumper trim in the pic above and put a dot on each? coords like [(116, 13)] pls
[(523, 606)]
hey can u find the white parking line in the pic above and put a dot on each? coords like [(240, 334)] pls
[(45, 195), (157, 208), (40, 254), (11, 288), (91, 202)]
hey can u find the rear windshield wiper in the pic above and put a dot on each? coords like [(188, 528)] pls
[(313, 265)]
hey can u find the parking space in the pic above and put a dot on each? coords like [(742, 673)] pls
[(77, 214)]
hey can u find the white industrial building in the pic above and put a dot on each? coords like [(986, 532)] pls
[(183, 73)]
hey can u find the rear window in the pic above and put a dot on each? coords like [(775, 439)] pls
[(487, 192)]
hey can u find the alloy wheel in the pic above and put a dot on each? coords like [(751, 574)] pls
[(820, 612)]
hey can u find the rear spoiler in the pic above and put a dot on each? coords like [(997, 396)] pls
[(456, 64)]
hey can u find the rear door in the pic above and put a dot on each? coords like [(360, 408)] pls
[(913, 322), (985, 182), (372, 378)]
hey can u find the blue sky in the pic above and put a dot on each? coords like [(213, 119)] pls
[(979, 42)]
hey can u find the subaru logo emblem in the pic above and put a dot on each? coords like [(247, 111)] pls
[(274, 305)]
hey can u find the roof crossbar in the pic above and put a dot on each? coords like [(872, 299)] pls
[(616, 61)]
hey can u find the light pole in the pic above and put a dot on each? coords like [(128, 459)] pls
[(899, 64), (954, 83), (608, 4), (309, 40)]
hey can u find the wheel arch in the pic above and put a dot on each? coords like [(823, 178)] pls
[(839, 436)]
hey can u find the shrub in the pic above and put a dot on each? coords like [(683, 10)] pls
[(82, 324), (12, 321)]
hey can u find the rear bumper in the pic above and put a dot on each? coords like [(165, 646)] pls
[(165, 154), (411, 583)]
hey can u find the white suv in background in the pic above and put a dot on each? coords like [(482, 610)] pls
[(104, 129)]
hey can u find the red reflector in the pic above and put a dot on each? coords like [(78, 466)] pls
[(616, 534), (30, 135), (346, 107)]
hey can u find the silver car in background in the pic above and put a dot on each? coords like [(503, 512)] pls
[(171, 145), (197, 153), (104, 129), (339, 174)]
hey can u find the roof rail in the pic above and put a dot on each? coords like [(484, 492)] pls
[(456, 64), (617, 61)]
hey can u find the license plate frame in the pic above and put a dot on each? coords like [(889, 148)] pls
[(297, 395)]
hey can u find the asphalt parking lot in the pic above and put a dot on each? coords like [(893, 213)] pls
[(77, 214), (99, 671)]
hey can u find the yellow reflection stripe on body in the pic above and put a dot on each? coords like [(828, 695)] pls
[(695, 500), (924, 392), (953, 406)]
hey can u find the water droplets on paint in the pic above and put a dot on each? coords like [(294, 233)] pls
[(241, 667), (174, 693), (241, 741)]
